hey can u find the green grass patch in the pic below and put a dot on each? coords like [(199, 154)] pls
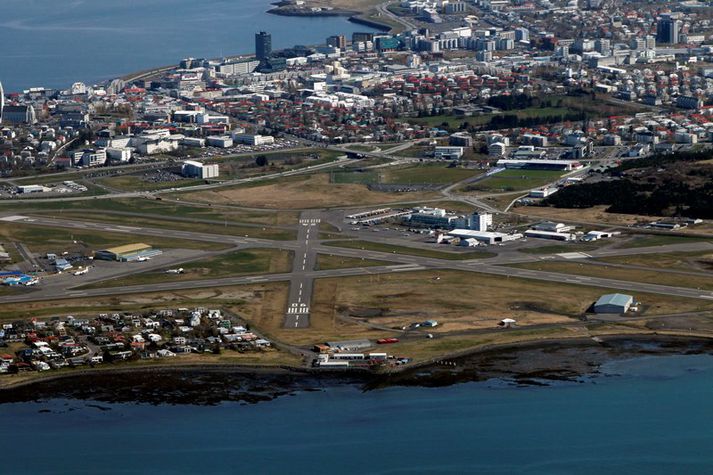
[(429, 174), (659, 240), (136, 183), (515, 180), (329, 262), (412, 251), (43, 239), (248, 262)]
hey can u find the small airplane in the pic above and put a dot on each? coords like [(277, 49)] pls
[(175, 271), (81, 271), (143, 259)]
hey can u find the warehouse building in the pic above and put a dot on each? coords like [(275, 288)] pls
[(487, 237), (193, 169), (613, 303), (557, 236), (127, 253)]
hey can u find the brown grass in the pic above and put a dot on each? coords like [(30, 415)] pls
[(618, 273), (314, 191)]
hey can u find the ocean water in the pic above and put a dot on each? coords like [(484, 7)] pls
[(53, 43), (648, 416)]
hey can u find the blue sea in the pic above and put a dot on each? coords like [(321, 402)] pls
[(54, 43), (649, 415)]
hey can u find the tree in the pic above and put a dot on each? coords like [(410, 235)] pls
[(261, 161)]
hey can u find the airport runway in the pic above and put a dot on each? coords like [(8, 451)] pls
[(308, 245), (300, 296)]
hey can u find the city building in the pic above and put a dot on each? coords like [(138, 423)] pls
[(337, 41), (263, 45), (17, 115), (448, 153), (668, 29), (480, 221), (193, 169)]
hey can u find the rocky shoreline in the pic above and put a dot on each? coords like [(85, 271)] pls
[(525, 364)]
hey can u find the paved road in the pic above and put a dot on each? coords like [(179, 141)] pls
[(300, 296)]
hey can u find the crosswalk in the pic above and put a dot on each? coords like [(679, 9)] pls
[(310, 222), (298, 308)]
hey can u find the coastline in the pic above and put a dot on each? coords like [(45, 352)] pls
[(528, 363)]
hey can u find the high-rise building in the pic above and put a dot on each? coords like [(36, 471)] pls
[(337, 41), (263, 45), (2, 101), (667, 29)]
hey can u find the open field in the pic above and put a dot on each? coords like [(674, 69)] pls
[(209, 228), (672, 260), (559, 108), (42, 239), (412, 251), (450, 122), (515, 180), (432, 174), (460, 302), (658, 240), (135, 183), (248, 262), (243, 166), (595, 214), (245, 300), (618, 273), (329, 261), (314, 191), (164, 208)]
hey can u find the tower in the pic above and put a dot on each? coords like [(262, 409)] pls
[(2, 101), (263, 45), (668, 29)]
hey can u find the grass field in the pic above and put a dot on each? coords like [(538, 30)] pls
[(166, 209), (627, 274), (515, 180), (431, 174), (314, 191), (459, 301), (659, 240), (135, 183), (41, 239), (209, 228), (670, 260), (450, 122), (253, 261), (412, 251), (329, 262)]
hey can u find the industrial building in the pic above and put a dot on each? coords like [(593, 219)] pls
[(127, 253), (433, 217), (193, 169), (448, 153), (552, 227), (613, 303), (487, 237), (557, 236)]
